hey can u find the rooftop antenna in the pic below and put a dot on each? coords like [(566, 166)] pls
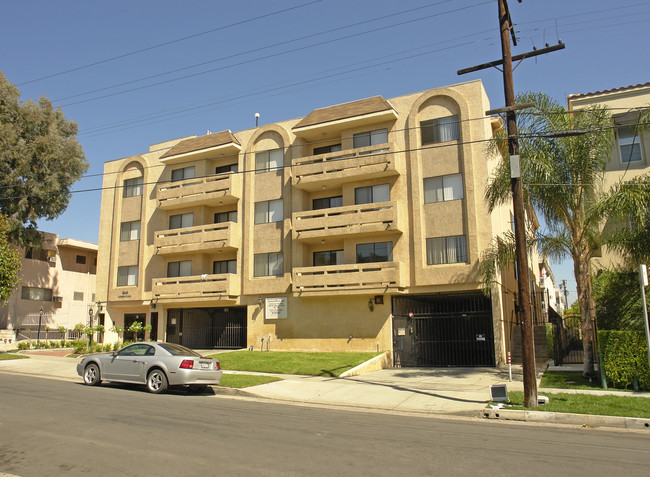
[(257, 119)]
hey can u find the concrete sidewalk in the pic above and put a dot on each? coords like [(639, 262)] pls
[(447, 390)]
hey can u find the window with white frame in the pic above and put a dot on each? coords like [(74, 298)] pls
[(375, 252), (180, 221), (442, 250), (224, 266), (629, 144), (439, 130), (132, 187), (179, 269), (370, 138), (130, 231), (127, 276), (270, 160), (37, 294), (268, 264), (443, 188), (183, 173), (269, 211), (371, 194)]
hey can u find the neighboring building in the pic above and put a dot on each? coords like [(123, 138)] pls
[(631, 153), (549, 294), (57, 278), (358, 227)]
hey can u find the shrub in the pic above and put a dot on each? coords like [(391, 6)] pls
[(80, 346), (24, 345), (625, 358), (108, 347)]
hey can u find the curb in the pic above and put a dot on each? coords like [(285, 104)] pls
[(585, 420)]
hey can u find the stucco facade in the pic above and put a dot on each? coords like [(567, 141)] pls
[(631, 152), (58, 277), (306, 231)]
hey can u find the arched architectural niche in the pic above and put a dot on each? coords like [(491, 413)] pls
[(269, 137)]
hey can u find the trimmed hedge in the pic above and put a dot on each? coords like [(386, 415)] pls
[(625, 357)]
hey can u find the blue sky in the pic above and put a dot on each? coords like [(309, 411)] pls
[(222, 61)]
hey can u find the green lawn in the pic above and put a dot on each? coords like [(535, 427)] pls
[(245, 380), (567, 380), (12, 356), (590, 404), (286, 362)]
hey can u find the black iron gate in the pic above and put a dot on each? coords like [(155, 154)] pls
[(205, 328), (443, 330)]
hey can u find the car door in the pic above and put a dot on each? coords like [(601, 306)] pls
[(129, 363)]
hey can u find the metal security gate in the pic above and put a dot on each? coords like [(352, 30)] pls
[(443, 330), (205, 328)]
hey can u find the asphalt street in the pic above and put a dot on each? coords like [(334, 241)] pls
[(50, 427)]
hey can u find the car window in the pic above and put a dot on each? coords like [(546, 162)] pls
[(137, 350), (178, 350)]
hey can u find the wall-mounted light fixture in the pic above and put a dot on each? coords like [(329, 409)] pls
[(371, 305), (260, 302)]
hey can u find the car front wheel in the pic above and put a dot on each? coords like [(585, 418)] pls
[(92, 376), (156, 381)]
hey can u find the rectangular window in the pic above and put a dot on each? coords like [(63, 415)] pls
[(269, 211), (132, 187), (36, 253), (224, 266), (181, 221), (370, 138), (268, 264), (629, 144), (184, 173), (81, 259), (227, 168), (439, 130), (270, 160), (446, 250), (179, 269), (37, 294), (78, 296), (443, 188), (328, 257), (327, 149), (130, 231), (127, 276), (375, 252), (371, 194), (327, 202), (221, 217)]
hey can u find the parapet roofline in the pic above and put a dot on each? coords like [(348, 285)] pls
[(608, 91), (74, 243)]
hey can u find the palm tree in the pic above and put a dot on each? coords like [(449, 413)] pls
[(562, 169)]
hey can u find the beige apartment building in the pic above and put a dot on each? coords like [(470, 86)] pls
[(57, 288), (631, 153), (357, 227)]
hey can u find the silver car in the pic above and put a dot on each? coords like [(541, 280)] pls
[(158, 365)]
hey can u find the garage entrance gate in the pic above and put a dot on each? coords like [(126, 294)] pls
[(443, 330), (206, 328)]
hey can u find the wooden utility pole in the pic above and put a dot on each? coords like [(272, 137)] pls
[(525, 316)]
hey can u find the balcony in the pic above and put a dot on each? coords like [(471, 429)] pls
[(224, 286), (202, 238), (211, 190), (353, 279), (334, 168), (339, 222)]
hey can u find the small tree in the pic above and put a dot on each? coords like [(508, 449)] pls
[(135, 328), (62, 329), (119, 330), (47, 332), (147, 330), (99, 329), (9, 264)]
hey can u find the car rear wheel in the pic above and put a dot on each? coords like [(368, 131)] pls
[(157, 381), (92, 377)]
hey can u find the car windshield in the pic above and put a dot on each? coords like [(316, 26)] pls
[(178, 350)]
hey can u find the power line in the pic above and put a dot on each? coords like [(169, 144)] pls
[(273, 55), (170, 42)]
